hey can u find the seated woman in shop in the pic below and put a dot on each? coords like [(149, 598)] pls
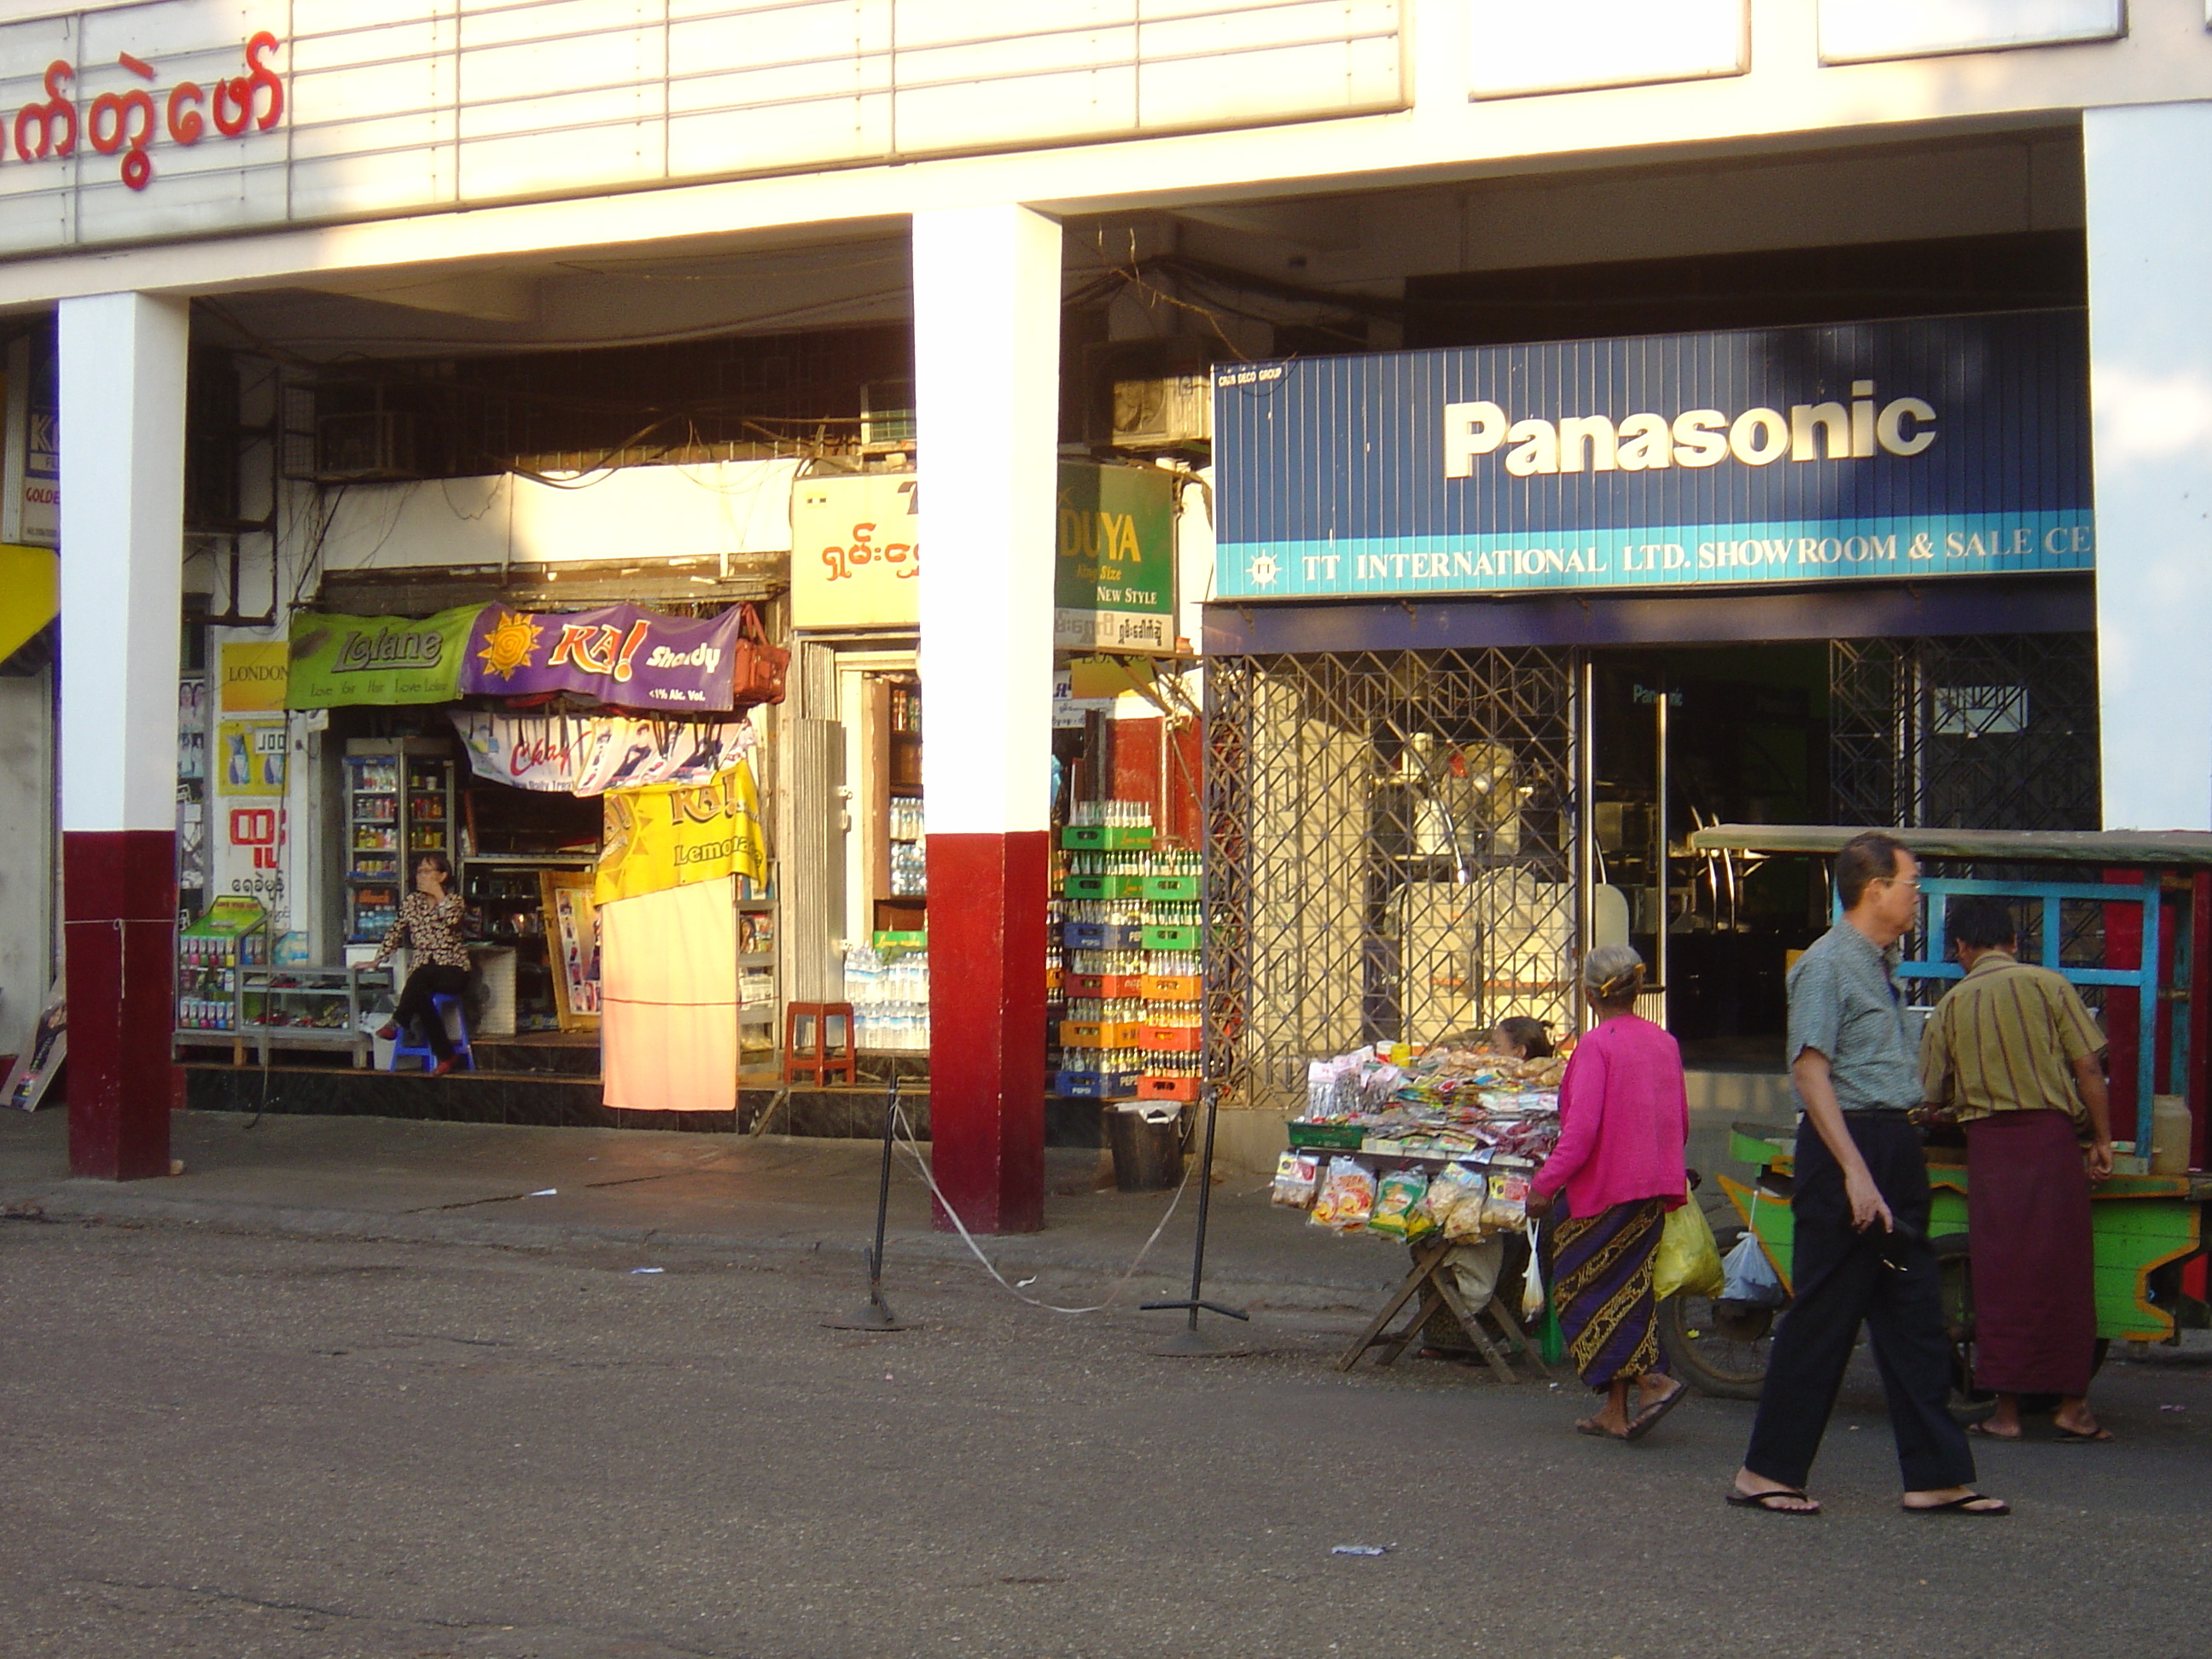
[(1624, 1118), (429, 926)]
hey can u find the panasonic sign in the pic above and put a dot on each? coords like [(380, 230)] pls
[(1933, 446), (1697, 437)]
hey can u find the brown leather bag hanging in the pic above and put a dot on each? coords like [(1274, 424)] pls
[(757, 669)]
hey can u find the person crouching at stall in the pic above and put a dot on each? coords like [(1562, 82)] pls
[(1624, 1120), (429, 924)]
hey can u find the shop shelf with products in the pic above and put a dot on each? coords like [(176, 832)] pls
[(311, 1006), (1125, 960), (213, 954), (508, 839), (399, 803), (759, 1005)]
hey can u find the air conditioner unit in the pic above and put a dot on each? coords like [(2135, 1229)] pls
[(887, 415), (365, 446), (1167, 412)]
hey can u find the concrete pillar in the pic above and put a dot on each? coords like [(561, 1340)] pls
[(123, 359), (2150, 388), (986, 389)]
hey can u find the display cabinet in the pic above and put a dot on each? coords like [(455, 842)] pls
[(399, 804)]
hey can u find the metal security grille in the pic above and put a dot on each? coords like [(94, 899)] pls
[(1987, 732), (1390, 853)]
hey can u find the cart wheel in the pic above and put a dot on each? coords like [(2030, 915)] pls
[(1717, 1346), (1967, 1403)]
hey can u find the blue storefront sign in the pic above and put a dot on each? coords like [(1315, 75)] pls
[(1897, 451)]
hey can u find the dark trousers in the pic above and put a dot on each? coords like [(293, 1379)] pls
[(1842, 1276), (416, 1008)]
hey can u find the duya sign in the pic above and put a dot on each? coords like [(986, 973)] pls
[(1907, 449)]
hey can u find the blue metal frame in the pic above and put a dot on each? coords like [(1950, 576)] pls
[(2146, 892)]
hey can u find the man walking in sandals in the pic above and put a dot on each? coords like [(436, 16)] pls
[(1861, 1213)]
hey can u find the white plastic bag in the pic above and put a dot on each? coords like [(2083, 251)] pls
[(1747, 1276)]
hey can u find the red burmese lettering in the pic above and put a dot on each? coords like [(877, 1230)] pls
[(233, 106), (263, 78), (186, 124), (57, 111)]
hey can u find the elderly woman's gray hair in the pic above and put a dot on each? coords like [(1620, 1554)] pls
[(1613, 974)]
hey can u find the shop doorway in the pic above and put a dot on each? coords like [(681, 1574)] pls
[(1680, 739)]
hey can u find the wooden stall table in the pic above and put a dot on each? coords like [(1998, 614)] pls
[(1435, 1290)]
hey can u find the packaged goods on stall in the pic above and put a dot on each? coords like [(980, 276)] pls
[(1452, 1189), (1298, 1175), (1397, 1196), (1346, 1198)]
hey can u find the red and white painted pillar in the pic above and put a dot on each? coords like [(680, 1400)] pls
[(123, 358), (986, 387)]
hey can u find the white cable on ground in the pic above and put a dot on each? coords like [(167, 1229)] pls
[(912, 1149)]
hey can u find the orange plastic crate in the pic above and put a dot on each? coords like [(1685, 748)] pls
[(1171, 987), (1167, 1088), (1174, 1039)]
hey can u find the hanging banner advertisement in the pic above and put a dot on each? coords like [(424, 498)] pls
[(1113, 577), (253, 674), (855, 551), (590, 754), (1935, 447), (674, 835), (622, 654), (249, 757), (384, 660)]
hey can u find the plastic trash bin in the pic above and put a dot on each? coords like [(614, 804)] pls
[(1147, 1138)]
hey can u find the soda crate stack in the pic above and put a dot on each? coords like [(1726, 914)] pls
[(1125, 960)]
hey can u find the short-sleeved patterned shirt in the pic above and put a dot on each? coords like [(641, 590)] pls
[(1844, 1004), (2004, 1039)]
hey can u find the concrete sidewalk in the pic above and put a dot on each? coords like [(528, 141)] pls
[(539, 1189)]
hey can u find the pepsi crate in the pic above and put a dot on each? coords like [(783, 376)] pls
[(1106, 837), (1103, 936), (1167, 1088), (1115, 887), (1093, 1086)]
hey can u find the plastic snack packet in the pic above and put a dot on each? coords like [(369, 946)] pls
[(1297, 1176), (1348, 1196), (1395, 1195)]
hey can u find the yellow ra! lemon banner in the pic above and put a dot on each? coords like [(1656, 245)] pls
[(672, 835)]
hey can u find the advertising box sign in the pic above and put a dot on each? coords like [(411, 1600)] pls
[(620, 654), (340, 660), (855, 551), (1897, 451), (253, 675), (1114, 578)]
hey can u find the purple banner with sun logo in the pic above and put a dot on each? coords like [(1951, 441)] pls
[(622, 655)]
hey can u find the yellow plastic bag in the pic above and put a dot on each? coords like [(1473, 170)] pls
[(1688, 1261)]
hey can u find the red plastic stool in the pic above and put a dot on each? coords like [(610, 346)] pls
[(818, 1061)]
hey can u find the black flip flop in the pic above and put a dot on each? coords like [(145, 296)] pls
[(1984, 1432), (1589, 1425), (1762, 1501), (1647, 1419), (1960, 1506), (2075, 1437)]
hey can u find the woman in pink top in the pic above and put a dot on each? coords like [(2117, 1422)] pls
[(1623, 1117)]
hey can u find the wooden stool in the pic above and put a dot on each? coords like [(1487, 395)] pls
[(818, 1061)]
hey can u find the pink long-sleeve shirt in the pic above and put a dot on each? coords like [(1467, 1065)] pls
[(1624, 1119)]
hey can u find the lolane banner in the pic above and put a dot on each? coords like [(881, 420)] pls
[(336, 661), (621, 655), (1932, 446)]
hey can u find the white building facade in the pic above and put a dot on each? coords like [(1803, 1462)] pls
[(1206, 181)]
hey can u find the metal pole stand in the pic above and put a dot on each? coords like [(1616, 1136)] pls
[(875, 1313), (1190, 1342)]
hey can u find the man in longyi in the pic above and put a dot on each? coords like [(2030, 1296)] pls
[(2012, 1054)]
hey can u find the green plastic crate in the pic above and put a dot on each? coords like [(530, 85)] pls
[(1105, 837), (1170, 938), (1327, 1136), (1171, 888), (1106, 887)]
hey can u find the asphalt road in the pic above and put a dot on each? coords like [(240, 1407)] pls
[(236, 1446)]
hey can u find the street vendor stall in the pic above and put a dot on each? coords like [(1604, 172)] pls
[(1435, 1150), (2125, 917)]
